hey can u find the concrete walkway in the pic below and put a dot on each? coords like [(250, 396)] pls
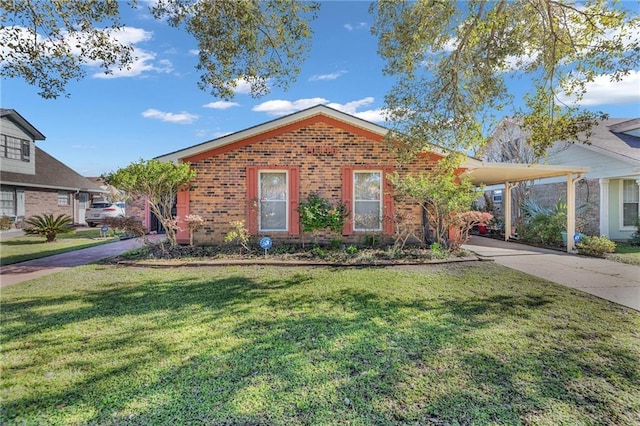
[(617, 282), (30, 269)]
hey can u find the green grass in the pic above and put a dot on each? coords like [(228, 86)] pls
[(456, 345), (626, 253), (19, 249)]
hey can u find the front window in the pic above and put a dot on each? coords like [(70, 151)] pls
[(630, 202), (367, 201), (7, 202), (63, 198), (14, 148), (274, 198)]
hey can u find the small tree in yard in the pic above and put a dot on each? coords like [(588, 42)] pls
[(48, 226), (159, 183), (442, 195)]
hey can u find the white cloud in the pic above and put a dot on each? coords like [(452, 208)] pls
[(358, 26), (243, 87), (221, 105), (170, 117), (194, 52), (283, 107), (603, 91), (331, 76)]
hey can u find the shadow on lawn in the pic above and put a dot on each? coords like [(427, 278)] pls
[(333, 355)]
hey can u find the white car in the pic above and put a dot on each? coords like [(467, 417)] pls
[(98, 212)]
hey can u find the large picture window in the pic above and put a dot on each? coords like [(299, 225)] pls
[(630, 202), (367, 200), (274, 198)]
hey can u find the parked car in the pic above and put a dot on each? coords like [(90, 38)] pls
[(98, 212)]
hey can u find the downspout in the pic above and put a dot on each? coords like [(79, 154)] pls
[(571, 209)]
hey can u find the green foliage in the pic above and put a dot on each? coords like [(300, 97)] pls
[(47, 43), (351, 249), (48, 226), (6, 222), (371, 240), (317, 213), (441, 194), (437, 251), (453, 62), (543, 225), (635, 237), (129, 225), (238, 235), (595, 246), (157, 181)]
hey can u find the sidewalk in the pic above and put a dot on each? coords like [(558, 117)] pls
[(30, 269), (617, 282)]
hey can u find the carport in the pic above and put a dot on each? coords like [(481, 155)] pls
[(507, 174)]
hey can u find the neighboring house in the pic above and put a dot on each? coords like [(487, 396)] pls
[(261, 174), (32, 181), (607, 196)]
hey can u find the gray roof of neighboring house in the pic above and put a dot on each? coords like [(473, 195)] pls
[(608, 137), (52, 174), (14, 116)]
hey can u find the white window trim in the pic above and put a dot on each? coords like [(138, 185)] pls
[(286, 201), (621, 204), (66, 194), (353, 206)]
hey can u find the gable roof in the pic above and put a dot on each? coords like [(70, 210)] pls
[(616, 137), (280, 125), (50, 174), (20, 121)]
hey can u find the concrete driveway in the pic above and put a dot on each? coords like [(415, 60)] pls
[(617, 282)]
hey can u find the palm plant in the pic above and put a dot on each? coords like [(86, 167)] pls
[(48, 226)]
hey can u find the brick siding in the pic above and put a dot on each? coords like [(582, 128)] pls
[(319, 150), (43, 201)]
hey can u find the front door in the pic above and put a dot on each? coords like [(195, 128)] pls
[(83, 205)]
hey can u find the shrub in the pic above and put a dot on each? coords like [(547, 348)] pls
[(317, 213), (437, 251), (543, 225), (5, 223), (635, 237), (239, 234), (49, 227), (194, 222), (595, 246), (129, 225)]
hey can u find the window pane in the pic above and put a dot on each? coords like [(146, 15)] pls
[(367, 215), (366, 185), (273, 186), (273, 201), (630, 192), (63, 198), (630, 214), (7, 203), (273, 216)]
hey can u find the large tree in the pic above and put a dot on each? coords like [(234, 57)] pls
[(453, 62), (47, 42)]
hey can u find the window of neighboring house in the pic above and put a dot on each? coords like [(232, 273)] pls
[(7, 202), (630, 202), (63, 198), (273, 194), (14, 148), (367, 200)]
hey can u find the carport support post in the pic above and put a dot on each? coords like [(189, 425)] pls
[(507, 211), (571, 209)]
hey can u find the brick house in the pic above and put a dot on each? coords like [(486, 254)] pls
[(32, 181), (261, 174)]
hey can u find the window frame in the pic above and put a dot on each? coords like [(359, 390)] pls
[(286, 201), (622, 226), (19, 148), (380, 200), (66, 195), (12, 202)]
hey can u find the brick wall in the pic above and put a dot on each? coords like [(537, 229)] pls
[(43, 201), (318, 149), (587, 202)]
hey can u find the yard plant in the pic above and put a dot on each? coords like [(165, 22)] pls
[(458, 344), (48, 226)]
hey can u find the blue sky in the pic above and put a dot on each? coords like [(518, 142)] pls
[(156, 107)]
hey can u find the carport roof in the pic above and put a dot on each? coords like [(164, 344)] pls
[(499, 173)]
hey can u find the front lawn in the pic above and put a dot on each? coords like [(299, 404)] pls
[(456, 344), (29, 247), (626, 253)]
